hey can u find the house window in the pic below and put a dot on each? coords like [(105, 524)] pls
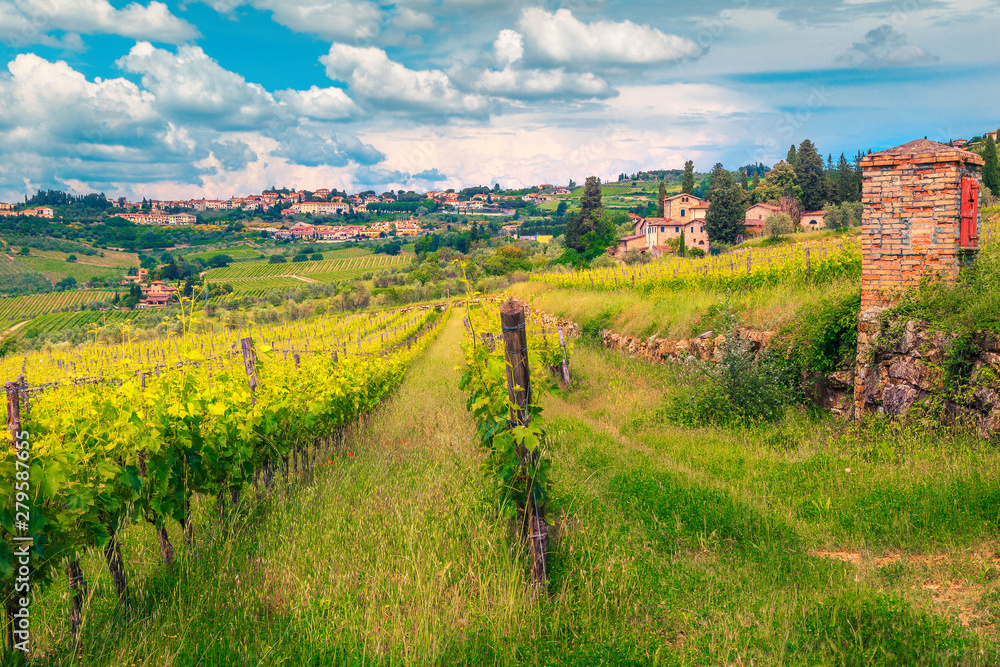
[(683, 212), (677, 230), (703, 229), (663, 229)]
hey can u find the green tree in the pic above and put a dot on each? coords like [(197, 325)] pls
[(591, 207), (662, 197), (727, 207), (743, 181), (681, 245), (779, 182), (792, 157), (845, 181), (991, 170), (687, 183), (756, 181), (809, 175), (573, 232)]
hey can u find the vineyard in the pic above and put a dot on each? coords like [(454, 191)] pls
[(126, 433), (801, 263), (19, 308), (343, 267)]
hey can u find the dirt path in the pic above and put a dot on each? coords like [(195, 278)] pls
[(13, 329)]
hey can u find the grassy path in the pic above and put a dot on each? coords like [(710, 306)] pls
[(672, 547)]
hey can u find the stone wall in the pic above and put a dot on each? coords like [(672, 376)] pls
[(686, 350), (905, 365)]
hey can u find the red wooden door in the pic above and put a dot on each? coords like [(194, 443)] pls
[(969, 229)]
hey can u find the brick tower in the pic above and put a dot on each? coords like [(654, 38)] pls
[(921, 218)]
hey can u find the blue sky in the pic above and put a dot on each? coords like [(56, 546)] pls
[(224, 97)]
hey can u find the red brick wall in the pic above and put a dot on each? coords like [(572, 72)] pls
[(910, 223)]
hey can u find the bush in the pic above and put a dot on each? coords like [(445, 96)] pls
[(220, 261), (277, 259), (300, 258), (636, 256), (316, 257), (824, 334), (778, 225), (71, 258), (739, 386), (695, 253)]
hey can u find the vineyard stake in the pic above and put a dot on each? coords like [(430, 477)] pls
[(515, 338), (565, 363)]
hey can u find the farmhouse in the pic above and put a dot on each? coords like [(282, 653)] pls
[(756, 215), (812, 220)]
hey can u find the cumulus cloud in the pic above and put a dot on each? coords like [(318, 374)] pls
[(509, 47), (25, 22), (233, 154), (885, 46), (385, 85), (536, 84), (561, 39), (329, 19), (318, 103), (314, 149), (191, 87)]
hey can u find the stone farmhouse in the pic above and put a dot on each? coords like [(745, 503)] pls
[(681, 213)]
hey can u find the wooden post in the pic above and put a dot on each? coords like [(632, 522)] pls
[(808, 267), (249, 365), (515, 338), (565, 363)]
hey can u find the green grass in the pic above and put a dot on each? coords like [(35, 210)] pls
[(674, 314), (672, 546)]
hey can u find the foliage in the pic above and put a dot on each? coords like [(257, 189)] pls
[(824, 334), (739, 386), (727, 207), (687, 184), (843, 216), (518, 461), (991, 170), (635, 256), (778, 225), (810, 176), (779, 182)]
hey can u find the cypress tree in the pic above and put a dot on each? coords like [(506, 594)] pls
[(743, 180), (845, 181), (591, 207), (991, 170), (756, 181), (662, 197), (810, 177), (687, 184), (726, 218), (681, 247), (792, 157)]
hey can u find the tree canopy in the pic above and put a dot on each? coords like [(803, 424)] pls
[(726, 218)]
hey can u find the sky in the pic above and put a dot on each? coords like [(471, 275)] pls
[(217, 98)]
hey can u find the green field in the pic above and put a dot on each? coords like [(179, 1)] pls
[(20, 308), (323, 271)]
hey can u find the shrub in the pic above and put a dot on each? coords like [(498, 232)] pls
[(316, 257), (277, 259), (301, 258), (739, 386), (824, 334), (636, 256), (71, 258), (778, 225)]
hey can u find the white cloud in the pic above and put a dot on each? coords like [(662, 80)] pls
[(318, 103), (561, 39), (536, 84), (408, 19), (509, 47), (329, 19), (25, 22), (385, 85), (191, 87), (885, 46)]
